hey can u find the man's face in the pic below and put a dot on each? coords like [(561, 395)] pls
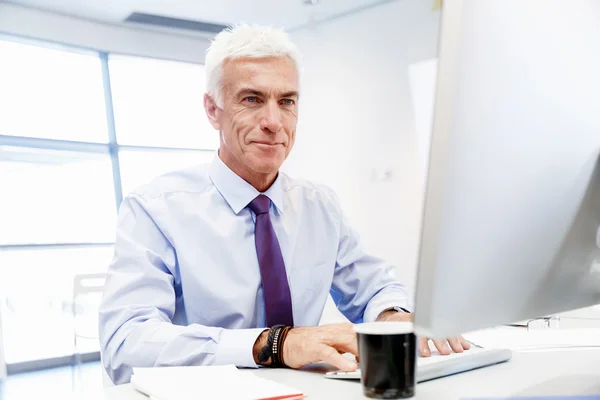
[(259, 114)]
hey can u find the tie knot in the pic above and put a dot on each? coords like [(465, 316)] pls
[(260, 205)]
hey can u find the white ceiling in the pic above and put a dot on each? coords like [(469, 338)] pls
[(282, 13)]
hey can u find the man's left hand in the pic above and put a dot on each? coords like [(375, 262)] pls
[(445, 347)]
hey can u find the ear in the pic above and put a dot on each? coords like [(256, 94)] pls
[(211, 111)]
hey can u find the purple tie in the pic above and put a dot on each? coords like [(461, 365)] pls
[(278, 302)]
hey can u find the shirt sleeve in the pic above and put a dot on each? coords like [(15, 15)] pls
[(136, 314), (364, 285)]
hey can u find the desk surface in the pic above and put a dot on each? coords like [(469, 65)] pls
[(556, 372)]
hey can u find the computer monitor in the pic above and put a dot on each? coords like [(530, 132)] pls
[(511, 214)]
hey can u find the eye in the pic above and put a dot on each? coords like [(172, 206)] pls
[(251, 99), (288, 102)]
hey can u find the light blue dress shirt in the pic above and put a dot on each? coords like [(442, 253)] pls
[(184, 286)]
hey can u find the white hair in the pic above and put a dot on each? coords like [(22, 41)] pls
[(245, 41)]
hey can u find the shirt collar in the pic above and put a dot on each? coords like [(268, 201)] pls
[(237, 192)]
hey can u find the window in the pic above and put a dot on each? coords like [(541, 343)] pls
[(160, 103), (37, 307), (138, 167), (51, 196), (64, 169), (48, 93)]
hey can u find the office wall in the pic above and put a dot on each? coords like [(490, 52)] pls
[(356, 121), (32, 23)]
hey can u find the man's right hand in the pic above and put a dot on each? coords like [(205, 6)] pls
[(326, 343)]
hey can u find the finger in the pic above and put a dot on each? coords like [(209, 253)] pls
[(331, 356), (455, 345), (442, 346), (345, 352), (424, 347), (350, 346), (345, 341), (464, 342)]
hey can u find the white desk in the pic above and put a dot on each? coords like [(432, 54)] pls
[(556, 372)]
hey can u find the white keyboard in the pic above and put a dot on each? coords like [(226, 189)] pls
[(438, 365)]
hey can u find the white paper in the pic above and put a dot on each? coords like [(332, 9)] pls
[(521, 339), (214, 382)]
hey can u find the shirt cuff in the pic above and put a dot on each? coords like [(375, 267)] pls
[(376, 307), (236, 346)]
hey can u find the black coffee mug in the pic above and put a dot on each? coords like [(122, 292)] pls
[(388, 355)]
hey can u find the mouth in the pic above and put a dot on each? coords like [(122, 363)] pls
[(266, 144)]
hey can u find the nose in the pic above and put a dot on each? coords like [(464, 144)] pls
[(271, 119)]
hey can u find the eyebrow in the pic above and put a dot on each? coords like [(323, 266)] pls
[(292, 93), (254, 92), (247, 91)]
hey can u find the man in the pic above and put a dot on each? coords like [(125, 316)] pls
[(206, 258)]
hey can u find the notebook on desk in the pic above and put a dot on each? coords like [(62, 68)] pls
[(203, 382), (438, 366)]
